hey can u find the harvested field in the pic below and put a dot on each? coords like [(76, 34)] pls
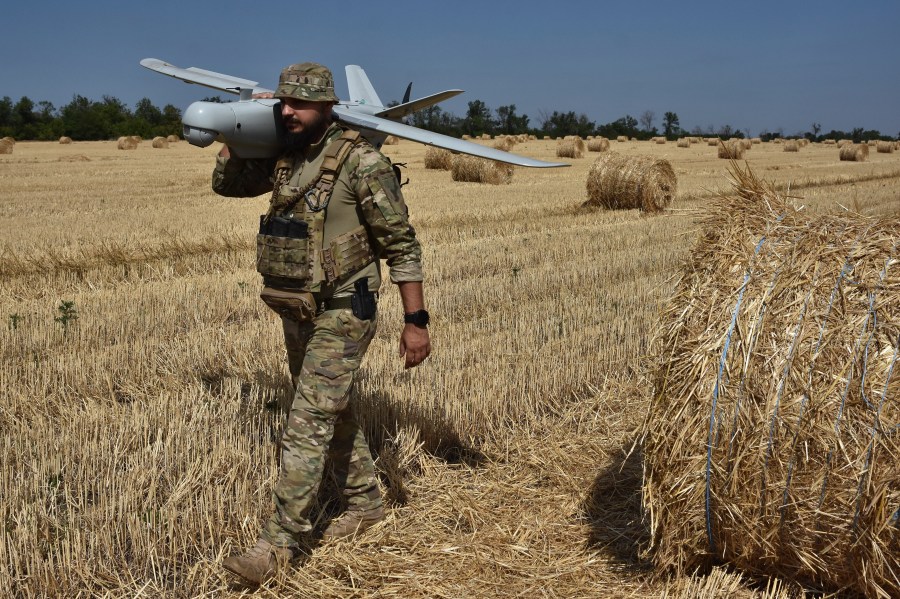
[(145, 382)]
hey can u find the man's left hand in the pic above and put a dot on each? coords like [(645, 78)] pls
[(415, 344)]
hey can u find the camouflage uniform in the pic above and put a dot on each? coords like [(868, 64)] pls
[(324, 353)]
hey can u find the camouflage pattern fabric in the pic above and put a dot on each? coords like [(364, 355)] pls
[(306, 81), (323, 356)]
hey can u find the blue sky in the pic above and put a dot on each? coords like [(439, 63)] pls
[(752, 65)]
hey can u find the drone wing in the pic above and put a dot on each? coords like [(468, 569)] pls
[(386, 127), (219, 81)]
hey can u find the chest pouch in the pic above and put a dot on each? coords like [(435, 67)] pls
[(347, 254), (282, 248)]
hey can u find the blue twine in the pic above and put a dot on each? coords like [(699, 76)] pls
[(875, 430), (844, 271), (712, 414)]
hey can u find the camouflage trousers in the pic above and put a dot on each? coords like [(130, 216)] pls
[(323, 356)]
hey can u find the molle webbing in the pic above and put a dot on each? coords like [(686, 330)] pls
[(335, 155)]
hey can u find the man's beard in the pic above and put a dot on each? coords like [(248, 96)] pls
[(309, 135)]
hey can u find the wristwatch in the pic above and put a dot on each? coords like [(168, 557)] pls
[(419, 318)]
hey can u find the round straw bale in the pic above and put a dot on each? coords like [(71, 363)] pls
[(871, 142), (478, 170), (791, 145), (9, 139), (391, 140), (65, 140), (135, 138), (579, 143), (618, 181), (842, 142), (598, 144), (172, 139), (466, 136), (854, 152), (803, 142), (568, 148), (713, 141), (755, 140), (661, 140), (731, 150), (830, 142), (621, 138), (503, 143), (885, 147), (160, 142), (772, 439), (6, 146), (126, 143), (684, 142), (438, 158), (486, 136)]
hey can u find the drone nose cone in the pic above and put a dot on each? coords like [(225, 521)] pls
[(204, 121)]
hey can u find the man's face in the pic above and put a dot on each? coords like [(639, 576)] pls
[(303, 116)]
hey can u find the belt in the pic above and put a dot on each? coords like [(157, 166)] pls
[(335, 303)]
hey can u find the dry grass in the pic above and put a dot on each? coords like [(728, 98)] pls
[(617, 181), (771, 443), (140, 440)]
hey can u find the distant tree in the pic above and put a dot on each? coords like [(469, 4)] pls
[(816, 127), (671, 126), (647, 118), (6, 112), (83, 119), (627, 125), (509, 122), (560, 124), (215, 99), (478, 119)]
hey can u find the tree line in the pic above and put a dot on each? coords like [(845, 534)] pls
[(86, 120), (109, 118)]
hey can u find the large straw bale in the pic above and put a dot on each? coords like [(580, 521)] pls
[(478, 170), (9, 139), (772, 440), (661, 140), (854, 152), (6, 146), (391, 140), (438, 158), (622, 138), (733, 150), (136, 138), (504, 143), (65, 140), (160, 143), (755, 140), (618, 181), (466, 136), (791, 145), (830, 142), (598, 144), (172, 139), (568, 148), (579, 143), (885, 147), (486, 136), (713, 141), (684, 142), (843, 142), (126, 143)]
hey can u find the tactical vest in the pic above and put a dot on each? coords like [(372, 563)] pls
[(290, 244)]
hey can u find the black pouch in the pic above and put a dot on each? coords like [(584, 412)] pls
[(362, 302)]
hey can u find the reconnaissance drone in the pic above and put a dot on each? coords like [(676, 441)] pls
[(253, 127)]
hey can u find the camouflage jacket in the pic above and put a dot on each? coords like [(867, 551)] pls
[(366, 192)]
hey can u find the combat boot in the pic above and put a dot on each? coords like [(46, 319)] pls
[(260, 563), (353, 522)]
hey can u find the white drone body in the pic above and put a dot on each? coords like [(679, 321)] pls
[(252, 127)]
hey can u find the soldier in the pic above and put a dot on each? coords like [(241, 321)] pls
[(335, 209)]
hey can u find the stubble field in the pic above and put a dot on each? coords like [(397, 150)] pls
[(143, 381)]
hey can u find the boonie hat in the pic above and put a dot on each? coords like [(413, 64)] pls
[(306, 81)]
